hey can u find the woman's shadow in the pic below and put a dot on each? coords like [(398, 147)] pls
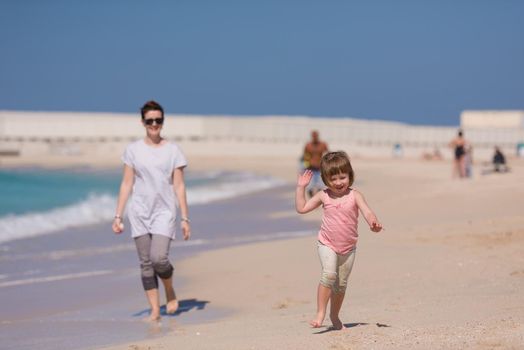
[(183, 306)]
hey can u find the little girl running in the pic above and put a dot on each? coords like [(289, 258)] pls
[(337, 238)]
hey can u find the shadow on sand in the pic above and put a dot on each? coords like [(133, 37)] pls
[(183, 306), (351, 325)]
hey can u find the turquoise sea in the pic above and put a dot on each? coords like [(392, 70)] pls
[(34, 190), (35, 201)]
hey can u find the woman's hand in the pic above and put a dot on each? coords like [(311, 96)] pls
[(186, 230), (118, 225)]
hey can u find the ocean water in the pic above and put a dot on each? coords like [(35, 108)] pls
[(41, 201)]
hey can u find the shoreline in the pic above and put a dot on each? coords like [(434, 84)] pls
[(89, 191), (94, 257)]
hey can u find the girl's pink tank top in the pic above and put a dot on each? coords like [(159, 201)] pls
[(339, 229)]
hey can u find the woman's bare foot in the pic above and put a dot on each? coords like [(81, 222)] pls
[(172, 306), (153, 317), (337, 324), (171, 300)]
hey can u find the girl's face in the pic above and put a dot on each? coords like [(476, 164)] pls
[(339, 183), (153, 122)]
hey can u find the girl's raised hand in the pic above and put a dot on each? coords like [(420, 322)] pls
[(304, 179)]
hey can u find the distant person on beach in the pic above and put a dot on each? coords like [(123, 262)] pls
[(435, 155), (337, 238), (459, 145), (499, 161), (154, 173), (311, 157)]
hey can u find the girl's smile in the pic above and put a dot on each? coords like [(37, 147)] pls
[(339, 183)]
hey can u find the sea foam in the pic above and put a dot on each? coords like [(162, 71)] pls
[(100, 208)]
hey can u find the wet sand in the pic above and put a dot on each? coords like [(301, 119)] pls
[(81, 288)]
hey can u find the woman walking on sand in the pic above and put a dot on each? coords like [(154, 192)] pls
[(154, 173), (337, 238)]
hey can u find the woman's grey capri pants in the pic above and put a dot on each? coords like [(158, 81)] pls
[(153, 253)]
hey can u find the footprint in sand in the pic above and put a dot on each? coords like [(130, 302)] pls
[(517, 273)]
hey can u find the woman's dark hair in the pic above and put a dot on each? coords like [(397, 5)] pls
[(334, 163), (151, 106)]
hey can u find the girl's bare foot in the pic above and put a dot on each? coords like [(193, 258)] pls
[(172, 306), (337, 324), (315, 323)]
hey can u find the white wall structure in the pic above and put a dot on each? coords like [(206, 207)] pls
[(104, 134), (492, 119), (487, 128)]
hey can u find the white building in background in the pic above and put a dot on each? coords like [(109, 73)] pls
[(492, 119), (487, 128), (73, 134)]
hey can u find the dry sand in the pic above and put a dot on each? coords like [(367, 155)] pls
[(448, 272)]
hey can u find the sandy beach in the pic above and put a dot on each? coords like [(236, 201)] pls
[(104, 226), (446, 274)]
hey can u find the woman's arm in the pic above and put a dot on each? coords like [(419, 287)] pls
[(179, 187), (126, 186), (369, 215)]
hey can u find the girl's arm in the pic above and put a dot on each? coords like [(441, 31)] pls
[(128, 178), (179, 186), (301, 205), (369, 215)]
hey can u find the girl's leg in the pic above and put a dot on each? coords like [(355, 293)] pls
[(163, 268), (149, 280), (345, 265), (337, 298), (328, 260), (323, 296)]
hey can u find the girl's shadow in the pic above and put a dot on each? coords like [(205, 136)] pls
[(183, 306), (351, 325)]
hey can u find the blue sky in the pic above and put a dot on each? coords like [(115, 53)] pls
[(420, 62)]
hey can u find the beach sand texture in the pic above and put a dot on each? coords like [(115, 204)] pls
[(448, 272)]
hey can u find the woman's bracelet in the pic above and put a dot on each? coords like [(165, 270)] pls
[(185, 219), (118, 217)]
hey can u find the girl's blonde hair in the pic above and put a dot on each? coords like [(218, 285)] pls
[(334, 163)]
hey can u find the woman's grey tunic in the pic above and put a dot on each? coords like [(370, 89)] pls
[(152, 208)]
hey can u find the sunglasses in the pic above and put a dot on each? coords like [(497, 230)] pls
[(158, 121)]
